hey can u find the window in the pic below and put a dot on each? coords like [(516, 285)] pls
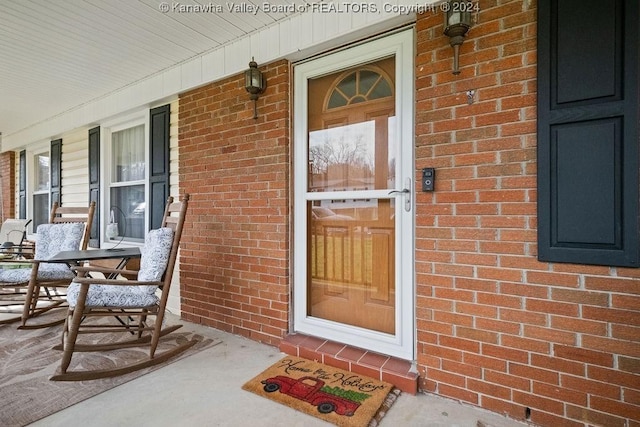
[(127, 186), (40, 189), (359, 86), (136, 175)]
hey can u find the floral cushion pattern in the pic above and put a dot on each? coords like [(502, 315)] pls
[(46, 271), (53, 238), (50, 239), (155, 255), (113, 296), (15, 275)]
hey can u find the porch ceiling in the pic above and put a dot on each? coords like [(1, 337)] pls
[(58, 55)]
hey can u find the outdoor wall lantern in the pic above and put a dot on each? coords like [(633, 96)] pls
[(457, 21), (255, 84)]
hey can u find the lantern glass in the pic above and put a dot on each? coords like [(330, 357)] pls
[(453, 18), (250, 80), (465, 18), (256, 79), (458, 14)]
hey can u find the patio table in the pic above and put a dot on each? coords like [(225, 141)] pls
[(77, 257)]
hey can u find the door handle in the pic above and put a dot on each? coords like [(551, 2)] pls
[(406, 190)]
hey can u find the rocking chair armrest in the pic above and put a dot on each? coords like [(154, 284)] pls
[(32, 264), (117, 282), (21, 261)]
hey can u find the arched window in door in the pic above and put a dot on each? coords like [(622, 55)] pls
[(364, 84)]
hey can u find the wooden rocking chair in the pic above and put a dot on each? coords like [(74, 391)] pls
[(37, 282), (128, 302), (12, 292), (45, 288)]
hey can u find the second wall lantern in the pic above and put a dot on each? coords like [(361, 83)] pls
[(255, 84), (457, 21)]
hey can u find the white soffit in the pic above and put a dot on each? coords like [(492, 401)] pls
[(72, 63)]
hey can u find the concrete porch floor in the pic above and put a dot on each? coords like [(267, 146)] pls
[(204, 389)]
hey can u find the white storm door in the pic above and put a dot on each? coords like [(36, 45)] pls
[(354, 196)]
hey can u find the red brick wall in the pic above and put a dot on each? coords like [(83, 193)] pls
[(497, 328), (7, 191), (234, 267)]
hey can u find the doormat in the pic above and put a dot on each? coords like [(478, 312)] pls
[(340, 397)]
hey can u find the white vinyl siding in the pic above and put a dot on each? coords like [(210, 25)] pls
[(75, 173)]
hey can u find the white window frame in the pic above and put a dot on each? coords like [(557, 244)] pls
[(31, 155), (106, 159)]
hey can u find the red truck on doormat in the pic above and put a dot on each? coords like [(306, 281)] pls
[(309, 389)]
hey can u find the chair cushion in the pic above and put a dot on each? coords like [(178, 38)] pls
[(46, 271), (113, 296), (53, 238), (50, 239), (153, 262), (155, 255), (15, 275)]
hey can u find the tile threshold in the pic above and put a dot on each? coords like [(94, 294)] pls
[(353, 359)]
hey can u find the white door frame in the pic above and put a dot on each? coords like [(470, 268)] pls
[(402, 343)]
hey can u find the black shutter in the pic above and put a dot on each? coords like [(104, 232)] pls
[(159, 163), (22, 185), (94, 184), (588, 184), (55, 170)]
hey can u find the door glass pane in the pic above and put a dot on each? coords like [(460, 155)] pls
[(341, 158), (351, 241), (352, 259), (349, 158)]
